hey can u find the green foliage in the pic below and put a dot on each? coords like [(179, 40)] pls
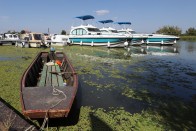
[(188, 38), (12, 32), (63, 32), (169, 30), (22, 32), (191, 31)]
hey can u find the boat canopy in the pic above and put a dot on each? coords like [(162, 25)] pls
[(106, 21), (124, 23), (85, 17)]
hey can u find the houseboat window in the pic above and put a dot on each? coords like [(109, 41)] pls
[(30, 37), (93, 29), (79, 32), (122, 32), (132, 32), (15, 36), (73, 32), (37, 36), (114, 31), (84, 32), (104, 31)]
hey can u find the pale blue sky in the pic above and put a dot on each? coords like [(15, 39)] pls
[(146, 16)]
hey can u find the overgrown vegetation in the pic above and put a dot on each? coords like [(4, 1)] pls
[(93, 65), (188, 38), (170, 30)]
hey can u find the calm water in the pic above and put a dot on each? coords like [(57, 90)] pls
[(138, 78)]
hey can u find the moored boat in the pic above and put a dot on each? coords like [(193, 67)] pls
[(59, 40), (48, 86), (160, 39), (92, 36), (137, 39)]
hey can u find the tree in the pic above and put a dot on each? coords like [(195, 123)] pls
[(169, 30), (22, 32), (63, 32), (191, 31)]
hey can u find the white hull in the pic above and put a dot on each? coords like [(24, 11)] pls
[(101, 44), (35, 45), (58, 43)]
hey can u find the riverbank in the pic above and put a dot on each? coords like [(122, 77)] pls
[(188, 38)]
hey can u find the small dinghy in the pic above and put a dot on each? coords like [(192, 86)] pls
[(48, 86)]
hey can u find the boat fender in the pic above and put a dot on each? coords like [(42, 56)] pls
[(126, 43), (108, 44), (142, 41), (162, 42)]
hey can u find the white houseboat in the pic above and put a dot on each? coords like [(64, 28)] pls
[(92, 36)]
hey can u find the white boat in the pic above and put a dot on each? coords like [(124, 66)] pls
[(137, 39), (9, 36), (160, 39), (92, 36), (35, 39), (109, 30), (156, 39), (59, 40), (1, 36)]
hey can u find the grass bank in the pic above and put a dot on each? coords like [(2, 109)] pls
[(189, 38)]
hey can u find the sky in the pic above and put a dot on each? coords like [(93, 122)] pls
[(146, 16)]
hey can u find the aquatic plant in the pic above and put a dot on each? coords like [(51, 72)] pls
[(101, 70)]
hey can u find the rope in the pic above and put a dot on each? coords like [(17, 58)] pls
[(30, 128), (55, 92), (44, 123)]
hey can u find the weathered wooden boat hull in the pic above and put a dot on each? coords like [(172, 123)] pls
[(52, 99), (13, 120)]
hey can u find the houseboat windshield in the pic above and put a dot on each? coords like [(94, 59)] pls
[(132, 32), (15, 36), (122, 32), (114, 31), (37, 36), (93, 30)]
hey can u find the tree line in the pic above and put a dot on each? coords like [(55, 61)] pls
[(174, 30)]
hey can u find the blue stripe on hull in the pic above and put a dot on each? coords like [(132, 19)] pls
[(160, 39), (97, 40)]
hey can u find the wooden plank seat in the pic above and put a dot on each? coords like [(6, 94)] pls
[(50, 76)]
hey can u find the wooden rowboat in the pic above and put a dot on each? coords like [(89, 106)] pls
[(48, 89)]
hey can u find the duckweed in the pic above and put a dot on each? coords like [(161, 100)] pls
[(107, 70)]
